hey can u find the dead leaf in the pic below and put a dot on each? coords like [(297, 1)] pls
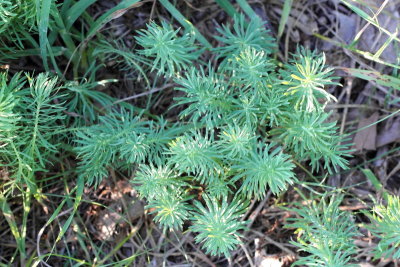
[(106, 224), (124, 206), (262, 259), (268, 261), (136, 209), (347, 27), (124, 186), (366, 138), (390, 135)]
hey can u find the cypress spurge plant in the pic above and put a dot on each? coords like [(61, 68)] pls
[(385, 221), (16, 18), (325, 232), (241, 127), (30, 122)]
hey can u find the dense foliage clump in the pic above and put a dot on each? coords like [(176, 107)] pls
[(243, 122), (247, 122)]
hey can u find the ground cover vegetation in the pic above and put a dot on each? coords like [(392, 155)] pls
[(224, 127)]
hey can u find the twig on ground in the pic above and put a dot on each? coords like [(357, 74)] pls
[(273, 242), (155, 90), (255, 213), (347, 89), (41, 233), (246, 252)]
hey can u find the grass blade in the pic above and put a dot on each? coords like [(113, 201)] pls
[(369, 19), (9, 216), (43, 22), (110, 15), (5, 55), (374, 76), (247, 8), (287, 6), (350, 47), (385, 45), (119, 245), (378, 121), (228, 7), (376, 183), (78, 261), (185, 23), (76, 11), (79, 193), (65, 7)]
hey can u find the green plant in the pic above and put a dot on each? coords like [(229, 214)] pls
[(169, 53), (262, 168), (171, 209), (324, 232), (30, 123), (308, 76), (244, 119), (218, 224), (241, 127), (30, 119), (16, 16), (244, 35), (51, 30), (384, 225), (119, 139)]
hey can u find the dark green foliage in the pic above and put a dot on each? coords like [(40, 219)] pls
[(247, 109), (218, 224), (231, 111), (169, 52), (196, 155), (307, 75), (80, 99), (326, 233), (16, 18), (40, 113), (162, 186), (121, 55), (243, 120), (30, 120), (274, 107), (152, 180), (8, 101), (206, 96), (250, 68), (120, 139), (308, 135), (262, 168), (117, 137), (171, 210), (236, 142), (385, 225), (244, 35), (220, 186)]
